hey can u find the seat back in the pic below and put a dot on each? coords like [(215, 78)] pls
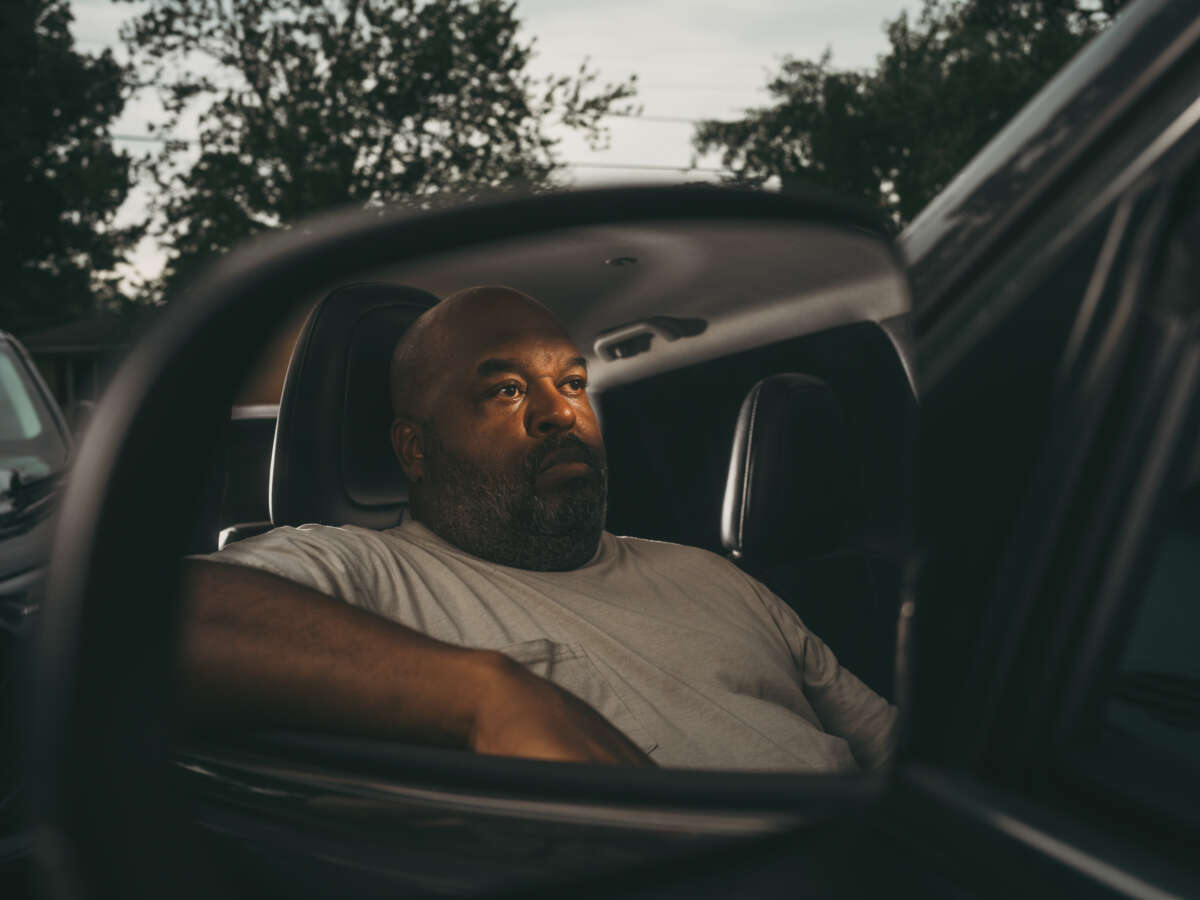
[(332, 460), (793, 517)]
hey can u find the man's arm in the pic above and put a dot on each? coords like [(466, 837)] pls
[(843, 703), (259, 649)]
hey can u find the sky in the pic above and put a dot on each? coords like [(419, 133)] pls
[(695, 59)]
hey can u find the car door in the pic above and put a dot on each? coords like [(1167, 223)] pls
[(1053, 735)]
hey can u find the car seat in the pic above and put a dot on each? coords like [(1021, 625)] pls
[(332, 460), (795, 517)]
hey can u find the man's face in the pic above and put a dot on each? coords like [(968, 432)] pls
[(513, 464)]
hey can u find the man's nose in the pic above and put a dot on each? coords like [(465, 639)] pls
[(549, 410)]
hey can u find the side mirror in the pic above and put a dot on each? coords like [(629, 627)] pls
[(717, 274)]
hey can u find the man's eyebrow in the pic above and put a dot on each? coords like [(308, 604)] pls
[(495, 366)]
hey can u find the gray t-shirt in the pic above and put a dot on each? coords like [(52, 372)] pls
[(699, 664)]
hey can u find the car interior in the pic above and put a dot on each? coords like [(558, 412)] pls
[(769, 425)]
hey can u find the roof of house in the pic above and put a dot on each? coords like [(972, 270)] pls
[(98, 334)]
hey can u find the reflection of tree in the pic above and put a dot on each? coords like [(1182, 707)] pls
[(308, 104), (61, 182), (896, 135)]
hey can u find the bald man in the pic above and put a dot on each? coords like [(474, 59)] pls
[(499, 616)]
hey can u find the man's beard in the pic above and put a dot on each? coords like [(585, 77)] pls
[(503, 519)]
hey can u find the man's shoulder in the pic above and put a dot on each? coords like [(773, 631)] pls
[(312, 537), (315, 531), (668, 550)]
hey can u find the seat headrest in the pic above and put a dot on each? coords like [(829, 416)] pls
[(792, 489), (332, 461)]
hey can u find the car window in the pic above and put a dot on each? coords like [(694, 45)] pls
[(18, 419), (1155, 697), (30, 444), (1138, 744)]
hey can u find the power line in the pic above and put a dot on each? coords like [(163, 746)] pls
[(679, 120), (575, 164), (646, 167)]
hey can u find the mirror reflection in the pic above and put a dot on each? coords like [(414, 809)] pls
[(622, 495)]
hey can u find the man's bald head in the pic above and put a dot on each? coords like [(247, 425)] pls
[(496, 433), (458, 324)]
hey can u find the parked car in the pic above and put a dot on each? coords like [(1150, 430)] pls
[(35, 452), (1044, 613)]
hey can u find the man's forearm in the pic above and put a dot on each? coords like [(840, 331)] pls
[(259, 649)]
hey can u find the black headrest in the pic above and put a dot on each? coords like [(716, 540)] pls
[(332, 461), (792, 489)]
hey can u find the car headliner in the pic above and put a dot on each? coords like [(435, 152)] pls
[(752, 284)]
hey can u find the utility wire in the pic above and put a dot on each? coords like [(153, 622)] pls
[(646, 167), (680, 120), (574, 164)]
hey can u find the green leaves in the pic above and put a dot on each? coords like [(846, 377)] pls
[(61, 181), (896, 135), (303, 105)]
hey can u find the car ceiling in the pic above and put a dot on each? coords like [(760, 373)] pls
[(753, 283)]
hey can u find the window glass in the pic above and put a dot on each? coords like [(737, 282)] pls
[(18, 419), (30, 445), (1156, 698)]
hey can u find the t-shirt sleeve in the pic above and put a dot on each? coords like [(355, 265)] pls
[(321, 557), (845, 705)]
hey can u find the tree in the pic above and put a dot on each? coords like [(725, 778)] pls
[(61, 181), (316, 103), (896, 135)]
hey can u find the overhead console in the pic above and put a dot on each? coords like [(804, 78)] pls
[(632, 338)]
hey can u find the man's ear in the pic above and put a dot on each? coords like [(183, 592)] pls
[(408, 443)]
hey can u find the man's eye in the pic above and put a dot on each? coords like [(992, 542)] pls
[(509, 391), (576, 384)]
